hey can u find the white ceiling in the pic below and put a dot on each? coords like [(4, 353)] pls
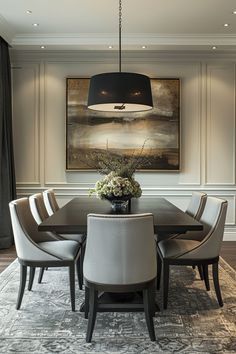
[(93, 24)]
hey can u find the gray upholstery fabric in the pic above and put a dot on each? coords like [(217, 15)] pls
[(194, 235), (213, 218), (194, 209), (76, 237), (50, 201), (174, 248), (28, 239), (38, 208), (120, 249), (40, 213), (66, 250), (21, 208), (196, 205)]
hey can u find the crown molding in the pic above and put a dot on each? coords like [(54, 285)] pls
[(6, 32), (128, 56), (96, 41)]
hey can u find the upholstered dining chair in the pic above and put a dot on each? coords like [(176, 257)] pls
[(52, 206), (120, 256), (196, 205), (50, 201), (178, 251), (40, 213), (195, 209), (38, 249)]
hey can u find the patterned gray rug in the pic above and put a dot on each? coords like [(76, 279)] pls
[(193, 322)]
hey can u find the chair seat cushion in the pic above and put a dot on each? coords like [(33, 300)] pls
[(166, 236), (174, 248), (63, 249), (75, 237), (194, 235)]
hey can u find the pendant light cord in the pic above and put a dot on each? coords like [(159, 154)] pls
[(120, 13)]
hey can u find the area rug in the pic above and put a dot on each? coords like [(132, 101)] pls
[(193, 322)]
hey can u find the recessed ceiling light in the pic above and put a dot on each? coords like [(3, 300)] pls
[(214, 47), (144, 47), (29, 12), (234, 12), (35, 24), (42, 47), (226, 25), (110, 47)]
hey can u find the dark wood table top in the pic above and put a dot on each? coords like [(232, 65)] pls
[(72, 218)]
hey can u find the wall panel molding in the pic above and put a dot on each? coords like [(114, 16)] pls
[(220, 125), (26, 122)]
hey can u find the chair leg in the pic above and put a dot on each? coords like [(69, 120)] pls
[(206, 276), (79, 273), (159, 266), (200, 271), (165, 280), (72, 286), (31, 278), (215, 273), (23, 275), (93, 299), (148, 314), (82, 259), (86, 302), (41, 271)]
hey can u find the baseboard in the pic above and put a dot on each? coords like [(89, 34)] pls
[(229, 236)]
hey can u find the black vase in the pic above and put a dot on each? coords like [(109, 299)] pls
[(119, 204)]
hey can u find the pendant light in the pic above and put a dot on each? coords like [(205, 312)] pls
[(120, 91)]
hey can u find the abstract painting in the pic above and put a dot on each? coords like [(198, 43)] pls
[(155, 134)]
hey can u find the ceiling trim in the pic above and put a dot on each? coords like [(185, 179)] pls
[(104, 39), (5, 30)]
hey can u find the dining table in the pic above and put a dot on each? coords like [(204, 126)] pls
[(168, 218), (72, 217)]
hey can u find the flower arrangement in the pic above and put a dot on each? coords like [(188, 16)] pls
[(115, 186), (118, 169)]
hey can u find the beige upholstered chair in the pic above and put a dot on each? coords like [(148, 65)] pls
[(120, 256), (38, 249), (178, 251), (40, 213)]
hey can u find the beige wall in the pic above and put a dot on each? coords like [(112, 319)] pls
[(207, 123)]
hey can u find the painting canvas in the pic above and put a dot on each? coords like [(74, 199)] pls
[(154, 133)]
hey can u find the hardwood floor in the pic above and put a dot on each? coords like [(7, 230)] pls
[(6, 257), (228, 252)]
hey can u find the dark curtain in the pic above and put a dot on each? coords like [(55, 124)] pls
[(7, 173)]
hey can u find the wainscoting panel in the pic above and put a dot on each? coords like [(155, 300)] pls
[(220, 128), (25, 80)]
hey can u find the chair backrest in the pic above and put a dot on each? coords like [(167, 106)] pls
[(196, 205), (213, 219), (38, 208), (50, 201), (26, 234), (120, 249)]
